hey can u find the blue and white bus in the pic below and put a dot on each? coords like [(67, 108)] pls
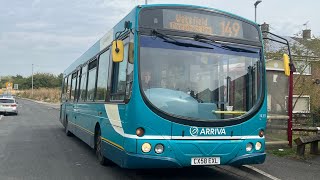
[(171, 86)]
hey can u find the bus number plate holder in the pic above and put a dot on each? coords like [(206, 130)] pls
[(205, 161)]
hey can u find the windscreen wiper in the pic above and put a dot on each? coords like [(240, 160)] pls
[(205, 39), (171, 40)]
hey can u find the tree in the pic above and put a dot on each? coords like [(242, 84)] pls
[(40, 80)]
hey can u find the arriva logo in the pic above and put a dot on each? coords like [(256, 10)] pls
[(194, 131)]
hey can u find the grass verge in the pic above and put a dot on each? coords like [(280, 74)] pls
[(42, 94)]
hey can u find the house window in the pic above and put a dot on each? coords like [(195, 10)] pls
[(303, 67), (300, 104)]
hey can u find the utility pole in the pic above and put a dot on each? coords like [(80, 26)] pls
[(146, 2), (32, 82)]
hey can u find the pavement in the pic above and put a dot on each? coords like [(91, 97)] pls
[(287, 168), (33, 145)]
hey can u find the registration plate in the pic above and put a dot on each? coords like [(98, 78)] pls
[(205, 160)]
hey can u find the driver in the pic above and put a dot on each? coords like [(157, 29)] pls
[(146, 80)]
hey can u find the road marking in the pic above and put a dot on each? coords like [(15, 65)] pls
[(261, 172), (1, 116)]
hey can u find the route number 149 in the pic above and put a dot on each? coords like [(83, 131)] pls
[(230, 29)]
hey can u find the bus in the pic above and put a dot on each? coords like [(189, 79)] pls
[(171, 86)]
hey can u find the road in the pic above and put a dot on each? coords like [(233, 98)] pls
[(33, 145)]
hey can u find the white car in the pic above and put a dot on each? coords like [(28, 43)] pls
[(8, 105)]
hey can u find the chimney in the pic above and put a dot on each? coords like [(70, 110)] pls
[(265, 27), (306, 34)]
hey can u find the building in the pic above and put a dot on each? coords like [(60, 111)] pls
[(306, 91)]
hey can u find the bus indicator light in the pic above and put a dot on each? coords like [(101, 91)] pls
[(140, 132), (261, 133)]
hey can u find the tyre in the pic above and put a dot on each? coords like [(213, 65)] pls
[(98, 148), (68, 133)]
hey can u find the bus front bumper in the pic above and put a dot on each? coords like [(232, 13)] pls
[(138, 161), (146, 161)]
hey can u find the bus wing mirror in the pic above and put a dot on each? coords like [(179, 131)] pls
[(286, 64), (131, 52), (117, 51)]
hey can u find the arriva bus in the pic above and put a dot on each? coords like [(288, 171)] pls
[(171, 86)]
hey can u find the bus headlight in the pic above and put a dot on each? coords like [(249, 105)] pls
[(159, 148), (249, 147), (146, 147), (258, 146)]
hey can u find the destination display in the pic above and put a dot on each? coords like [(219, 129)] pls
[(200, 22)]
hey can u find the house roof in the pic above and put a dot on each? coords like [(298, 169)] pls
[(272, 46)]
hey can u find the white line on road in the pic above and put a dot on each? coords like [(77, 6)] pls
[(1, 116), (261, 172)]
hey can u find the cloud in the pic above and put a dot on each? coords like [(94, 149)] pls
[(35, 3), (34, 25)]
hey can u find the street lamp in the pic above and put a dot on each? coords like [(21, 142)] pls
[(255, 9), (32, 82)]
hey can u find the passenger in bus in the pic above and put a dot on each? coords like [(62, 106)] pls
[(146, 80)]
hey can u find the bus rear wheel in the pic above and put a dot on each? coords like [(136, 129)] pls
[(98, 147)]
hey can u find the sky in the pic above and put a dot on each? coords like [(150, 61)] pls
[(51, 34)]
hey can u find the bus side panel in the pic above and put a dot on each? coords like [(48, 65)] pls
[(87, 115), (70, 116)]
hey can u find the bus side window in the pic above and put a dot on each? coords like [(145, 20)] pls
[(92, 74), (118, 85), (74, 86), (83, 83), (64, 89), (69, 88), (78, 85), (103, 71), (130, 70)]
